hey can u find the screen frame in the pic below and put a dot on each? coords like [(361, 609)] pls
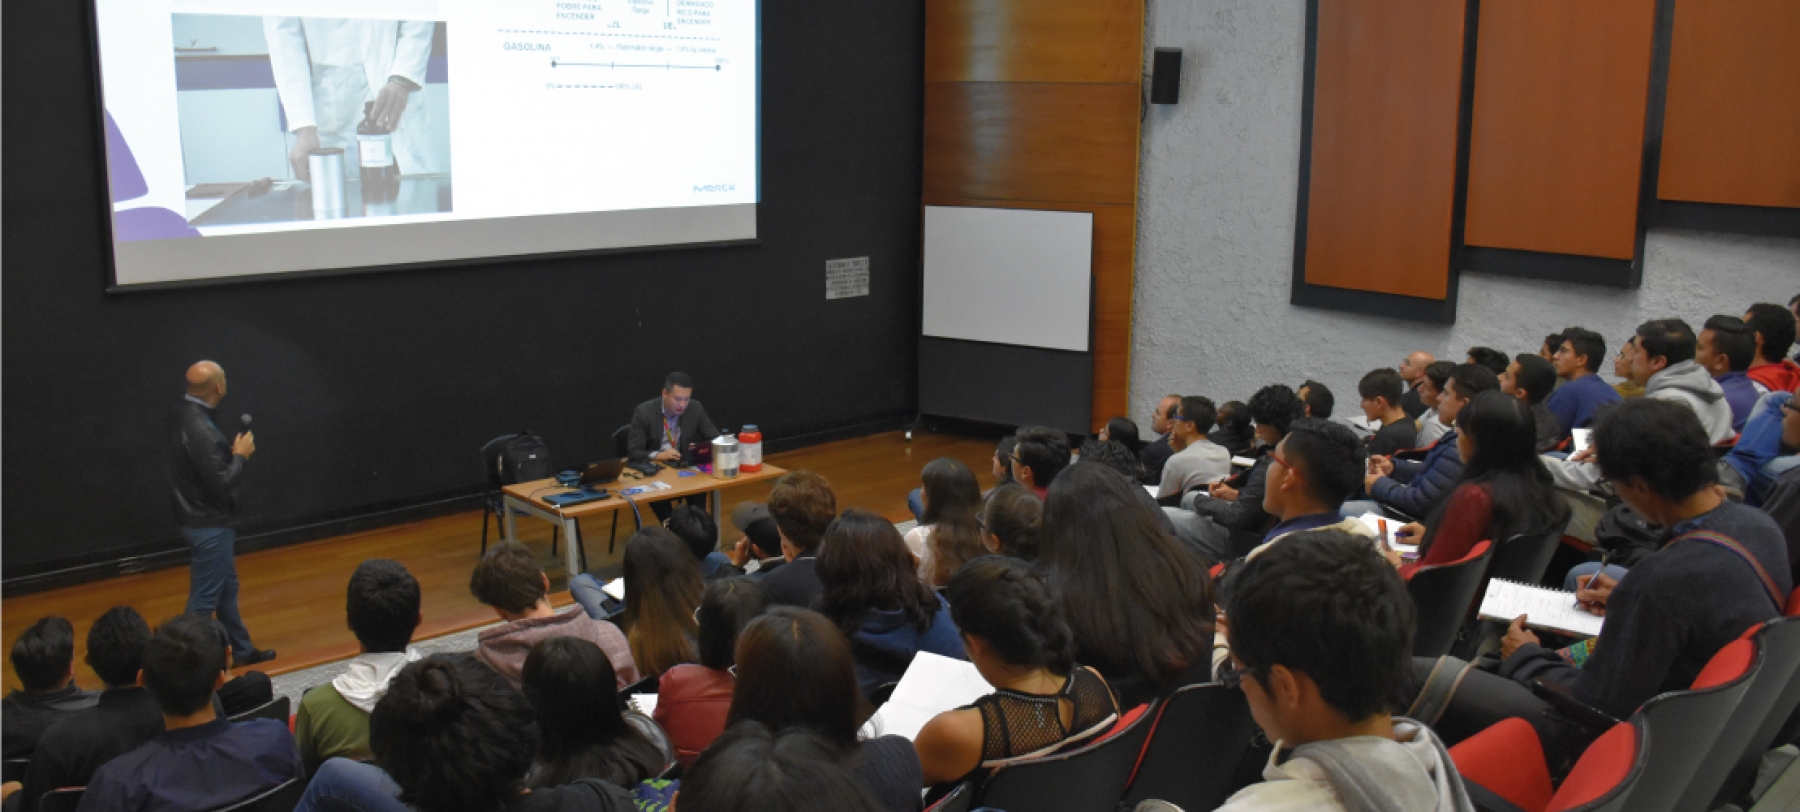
[(113, 287)]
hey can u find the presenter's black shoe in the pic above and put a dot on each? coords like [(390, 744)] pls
[(254, 657)]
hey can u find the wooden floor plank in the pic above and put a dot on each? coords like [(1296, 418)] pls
[(292, 598)]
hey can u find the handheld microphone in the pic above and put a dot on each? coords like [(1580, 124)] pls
[(246, 421)]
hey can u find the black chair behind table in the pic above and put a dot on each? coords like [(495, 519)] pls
[(1729, 769), (13, 769), (277, 709), (1090, 778), (282, 798), (60, 800), (491, 501), (1442, 595), (1199, 736)]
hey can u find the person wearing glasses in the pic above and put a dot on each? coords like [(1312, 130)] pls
[(1322, 643), (1224, 523), (1197, 461), (1577, 361), (1157, 451), (1412, 371)]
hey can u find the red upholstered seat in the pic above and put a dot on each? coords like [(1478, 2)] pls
[(1507, 760), (1602, 768), (1729, 664), (1793, 605)]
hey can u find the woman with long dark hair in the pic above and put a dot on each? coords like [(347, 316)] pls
[(1504, 491), (582, 733), (1010, 521), (876, 599), (693, 699), (948, 533), (662, 589), (1139, 602), (1013, 628), (1124, 432), (794, 669)]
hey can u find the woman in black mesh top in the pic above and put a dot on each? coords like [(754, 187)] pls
[(1014, 633)]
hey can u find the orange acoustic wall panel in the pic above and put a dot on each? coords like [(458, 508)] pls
[(1556, 144), (1387, 87), (1731, 131), (1034, 41)]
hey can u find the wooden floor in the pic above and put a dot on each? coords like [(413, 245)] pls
[(292, 598)]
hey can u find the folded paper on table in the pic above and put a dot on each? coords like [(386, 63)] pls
[(1551, 609), (931, 685)]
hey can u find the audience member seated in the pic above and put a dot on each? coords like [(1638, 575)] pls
[(1157, 452), (1504, 491), (874, 595), (662, 590), (796, 771), (201, 760), (125, 717), (1678, 606), (1431, 390), (1317, 399), (1124, 432), (1225, 523), (803, 505), (509, 581), (1321, 638), (1010, 522), (1115, 456), (1380, 391), (1727, 347), (1531, 379), (1412, 371), (795, 670), (1783, 500), (948, 534), (450, 736), (697, 529), (1013, 629), (1774, 326), (1583, 392), (1002, 470), (758, 552), (44, 658), (1415, 487), (1197, 461), (1626, 387), (1040, 454), (1235, 432), (1489, 357), (582, 732), (693, 699), (382, 607), (1138, 601), (1663, 361), (1765, 450)]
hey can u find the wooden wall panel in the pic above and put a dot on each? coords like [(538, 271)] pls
[(1381, 194), (1731, 131), (1557, 140), (1034, 41), (1031, 141)]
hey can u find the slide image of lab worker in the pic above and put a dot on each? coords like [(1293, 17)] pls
[(326, 69)]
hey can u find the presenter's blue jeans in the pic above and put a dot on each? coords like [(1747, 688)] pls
[(342, 785), (213, 582)]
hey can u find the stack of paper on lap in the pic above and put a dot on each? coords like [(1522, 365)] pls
[(931, 685)]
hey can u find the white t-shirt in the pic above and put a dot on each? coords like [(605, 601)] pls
[(1201, 462)]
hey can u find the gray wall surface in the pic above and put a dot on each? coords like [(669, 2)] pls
[(1215, 244)]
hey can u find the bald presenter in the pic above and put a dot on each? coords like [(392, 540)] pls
[(204, 469)]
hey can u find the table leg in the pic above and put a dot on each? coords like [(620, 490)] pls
[(571, 545), (508, 520)]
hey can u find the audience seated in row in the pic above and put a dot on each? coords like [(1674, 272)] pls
[(758, 551), (1582, 392), (794, 771), (582, 731), (700, 532), (1775, 327), (1011, 519), (44, 659), (1236, 433), (1317, 399), (694, 698), (1224, 523), (509, 581), (1039, 455), (1124, 432), (1726, 349), (124, 717), (1531, 379), (1431, 391), (1156, 452), (662, 590), (803, 505), (1394, 431), (1197, 461), (1414, 488), (1412, 371), (382, 607), (874, 595), (947, 534)]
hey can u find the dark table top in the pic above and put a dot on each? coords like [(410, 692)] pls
[(419, 194)]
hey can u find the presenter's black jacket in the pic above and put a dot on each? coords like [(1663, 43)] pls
[(203, 473), (646, 438)]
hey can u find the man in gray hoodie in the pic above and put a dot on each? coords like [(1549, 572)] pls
[(1321, 644)]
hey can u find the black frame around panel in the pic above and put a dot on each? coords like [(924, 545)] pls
[(1371, 303)]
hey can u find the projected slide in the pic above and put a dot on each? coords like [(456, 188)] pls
[(276, 136)]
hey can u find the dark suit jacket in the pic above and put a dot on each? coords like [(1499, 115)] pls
[(645, 438), (1412, 402)]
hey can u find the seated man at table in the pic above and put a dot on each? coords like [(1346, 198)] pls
[(663, 428)]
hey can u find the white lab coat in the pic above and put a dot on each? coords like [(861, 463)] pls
[(326, 68)]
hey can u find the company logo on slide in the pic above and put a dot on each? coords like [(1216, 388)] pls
[(717, 187)]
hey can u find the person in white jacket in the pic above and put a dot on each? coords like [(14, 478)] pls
[(1662, 361), (1321, 635), (382, 607), (325, 69)]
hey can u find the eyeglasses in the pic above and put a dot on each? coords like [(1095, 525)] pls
[(1284, 463), (1229, 676), (732, 670)]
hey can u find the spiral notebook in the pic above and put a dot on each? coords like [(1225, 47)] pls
[(1549, 609)]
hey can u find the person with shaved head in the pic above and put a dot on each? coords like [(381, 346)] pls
[(1412, 372), (204, 470)]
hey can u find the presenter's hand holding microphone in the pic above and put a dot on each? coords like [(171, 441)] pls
[(245, 444)]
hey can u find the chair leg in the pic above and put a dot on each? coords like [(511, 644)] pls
[(554, 533), (615, 534), (484, 523), (580, 547)]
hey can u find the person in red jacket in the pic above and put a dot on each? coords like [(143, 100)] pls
[(1774, 326), (1504, 490)]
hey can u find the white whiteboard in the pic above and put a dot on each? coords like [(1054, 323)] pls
[(1009, 276)]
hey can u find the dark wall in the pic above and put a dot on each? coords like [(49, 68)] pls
[(374, 391)]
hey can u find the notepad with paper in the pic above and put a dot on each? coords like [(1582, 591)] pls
[(931, 685), (1580, 440), (1385, 529), (1550, 609)]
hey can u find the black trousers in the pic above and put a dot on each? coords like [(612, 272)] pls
[(1484, 699)]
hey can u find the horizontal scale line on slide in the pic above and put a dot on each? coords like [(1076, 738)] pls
[(556, 64)]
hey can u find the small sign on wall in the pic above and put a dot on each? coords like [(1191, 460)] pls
[(845, 278)]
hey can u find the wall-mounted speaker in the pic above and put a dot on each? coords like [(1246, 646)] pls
[(1165, 76)]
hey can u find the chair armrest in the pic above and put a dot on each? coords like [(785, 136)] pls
[(1592, 719)]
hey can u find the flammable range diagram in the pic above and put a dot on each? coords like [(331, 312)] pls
[(666, 66)]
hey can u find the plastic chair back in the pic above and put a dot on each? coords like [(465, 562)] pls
[(60, 800), (1199, 736), (1605, 774), (490, 459), (1091, 777), (1680, 727), (622, 441), (282, 798), (1525, 557), (1442, 595), (13, 769), (1730, 767), (276, 709)]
